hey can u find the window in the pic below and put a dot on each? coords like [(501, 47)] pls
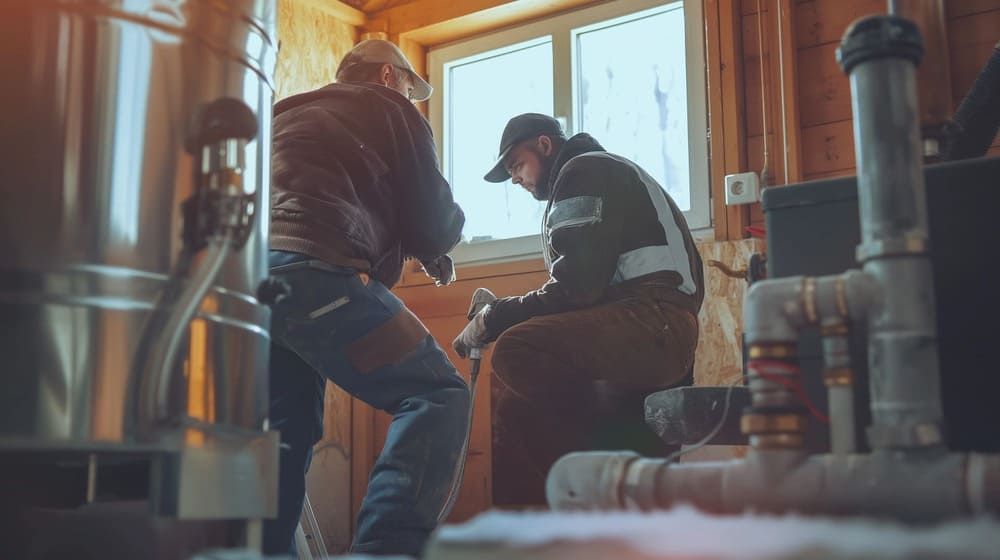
[(629, 72)]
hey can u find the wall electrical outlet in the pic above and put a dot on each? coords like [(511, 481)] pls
[(742, 188)]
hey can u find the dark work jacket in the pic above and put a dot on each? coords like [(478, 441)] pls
[(355, 181), (610, 233)]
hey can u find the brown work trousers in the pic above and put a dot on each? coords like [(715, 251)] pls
[(570, 380)]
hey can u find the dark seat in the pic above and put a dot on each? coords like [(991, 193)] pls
[(622, 419)]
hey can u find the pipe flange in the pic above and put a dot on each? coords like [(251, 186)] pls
[(777, 441), (809, 304), (879, 36), (777, 351), (838, 329), (906, 247), (758, 423), (838, 377)]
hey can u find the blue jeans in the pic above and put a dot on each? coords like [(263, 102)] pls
[(337, 326)]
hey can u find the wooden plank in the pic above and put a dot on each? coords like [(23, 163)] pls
[(371, 6), (970, 42), (344, 12), (824, 90), (748, 7), (329, 480), (756, 112), (755, 151), (414, 275), (362, 454), (818, 22), (717, 136), (786, 99), (959, 8), (433, 22), (428, 301), (734, 105), (828, 147), (757, 212), (752, 75), (829, 174)]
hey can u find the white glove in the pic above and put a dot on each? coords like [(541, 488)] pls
[(473, 335), (441, 270)]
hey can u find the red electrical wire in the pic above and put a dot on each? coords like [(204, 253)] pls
[(793, 384)]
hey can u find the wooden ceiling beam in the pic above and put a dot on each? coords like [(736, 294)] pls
[(433, 22), (344, 12)]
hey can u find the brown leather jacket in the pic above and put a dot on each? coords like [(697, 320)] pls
[(355, 181)]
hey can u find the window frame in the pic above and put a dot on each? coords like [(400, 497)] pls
[(563, 31)]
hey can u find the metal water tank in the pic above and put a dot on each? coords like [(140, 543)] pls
[(100, 101)]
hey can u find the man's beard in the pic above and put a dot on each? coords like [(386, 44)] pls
[(544, 187)]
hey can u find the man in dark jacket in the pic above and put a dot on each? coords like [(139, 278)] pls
[(616, 320), (355, 189)]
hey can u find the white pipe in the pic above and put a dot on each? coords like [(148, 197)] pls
[(841, 403)]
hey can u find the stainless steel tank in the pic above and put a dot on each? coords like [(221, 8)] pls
[(97, 102)]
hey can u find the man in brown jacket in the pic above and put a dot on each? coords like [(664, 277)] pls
[(617, 319), (355, 189)]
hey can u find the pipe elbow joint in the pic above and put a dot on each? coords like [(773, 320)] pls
[(772, 310)]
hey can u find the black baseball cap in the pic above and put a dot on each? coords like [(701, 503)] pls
[(521, 127)]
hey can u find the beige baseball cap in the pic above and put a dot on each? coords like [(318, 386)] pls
[(379, 51)]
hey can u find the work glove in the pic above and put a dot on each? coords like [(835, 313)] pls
[(441, 270), (473, 335)]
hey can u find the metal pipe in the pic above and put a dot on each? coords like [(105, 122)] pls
[(880, 54), (155, 384), (914, 487), (774, 310)]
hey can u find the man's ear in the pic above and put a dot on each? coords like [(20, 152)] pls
[(545, 145), (385, 75)]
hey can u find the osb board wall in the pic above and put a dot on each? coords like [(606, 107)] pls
[(311, 44), (719, 358)]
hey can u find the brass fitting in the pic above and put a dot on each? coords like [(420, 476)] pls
[(838, 377), (777, 351), (777, 441), (757, 423)]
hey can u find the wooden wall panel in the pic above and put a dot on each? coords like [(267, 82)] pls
[(824, 90), (820, 22), (828, 147), (752, 75), (733, 105), (311, 43), (958, 8)]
